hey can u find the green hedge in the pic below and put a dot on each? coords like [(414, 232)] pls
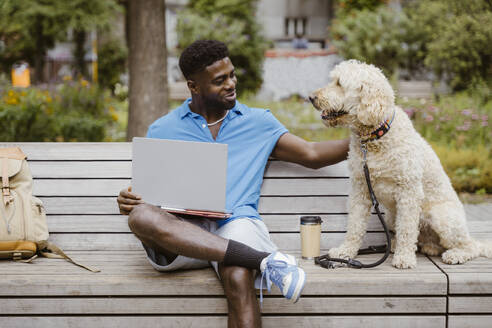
[(74, 111)]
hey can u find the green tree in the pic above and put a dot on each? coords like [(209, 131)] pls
[(345, 7), (84, 16), (457, 38), (371, 36), (29, 28), (232, 22)]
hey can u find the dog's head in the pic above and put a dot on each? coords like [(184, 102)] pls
[(359, 94)]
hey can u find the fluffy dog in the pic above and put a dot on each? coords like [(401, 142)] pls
[(422, 207)]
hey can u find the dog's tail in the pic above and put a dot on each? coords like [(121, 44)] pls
[(485, 247)]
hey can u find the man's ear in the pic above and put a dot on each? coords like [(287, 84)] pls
[(192, 86)]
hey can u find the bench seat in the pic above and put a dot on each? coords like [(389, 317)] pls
[(79, 182)]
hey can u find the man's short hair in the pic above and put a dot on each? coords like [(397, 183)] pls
[(201, 54)]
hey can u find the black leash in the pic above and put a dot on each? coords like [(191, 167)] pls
[(328, 262)]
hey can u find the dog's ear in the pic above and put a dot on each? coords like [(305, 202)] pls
[(374, 104)]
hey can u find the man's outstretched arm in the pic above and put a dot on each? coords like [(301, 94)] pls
[(291, 148)]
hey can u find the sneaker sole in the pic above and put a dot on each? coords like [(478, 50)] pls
[(300, 286)]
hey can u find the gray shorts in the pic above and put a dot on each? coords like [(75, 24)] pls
[(251, 232)]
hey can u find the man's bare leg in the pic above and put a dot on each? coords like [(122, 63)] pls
[(169, 235), (239, 288)]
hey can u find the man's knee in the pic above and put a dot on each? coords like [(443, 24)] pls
[(142, 219), (237, 281)]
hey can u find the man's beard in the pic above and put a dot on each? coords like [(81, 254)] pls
[(217, 104)]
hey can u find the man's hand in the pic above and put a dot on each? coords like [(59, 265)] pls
[(127, 201)]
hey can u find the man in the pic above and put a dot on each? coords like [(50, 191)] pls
[(240, 246)]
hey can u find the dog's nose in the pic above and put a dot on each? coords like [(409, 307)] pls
[(312, 98)]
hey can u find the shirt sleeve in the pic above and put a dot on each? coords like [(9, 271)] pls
[(273, 128)]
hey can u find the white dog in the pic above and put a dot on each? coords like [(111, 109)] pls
[(408, 179)]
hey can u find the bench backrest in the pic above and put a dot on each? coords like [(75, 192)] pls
[(79, 183)]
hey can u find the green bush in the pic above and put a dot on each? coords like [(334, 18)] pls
[(458, 128), (371, 36), (345, 7), (452, 38), (457, 37), (75, 111), (233, 23), (458, 120), (469, 169)]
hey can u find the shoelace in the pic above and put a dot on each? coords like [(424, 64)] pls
[(271, 270)]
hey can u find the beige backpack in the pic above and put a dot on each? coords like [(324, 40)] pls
[(23, 227)]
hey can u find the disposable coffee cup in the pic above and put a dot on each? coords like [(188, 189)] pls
[(310, 236)]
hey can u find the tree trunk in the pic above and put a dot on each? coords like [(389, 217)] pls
[(79, 53), (40, 52), (147, 65)]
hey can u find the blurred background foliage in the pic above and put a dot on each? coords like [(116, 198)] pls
[(30, 27), (72, 111), (448, 38)]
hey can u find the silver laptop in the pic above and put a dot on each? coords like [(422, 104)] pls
[(181, 176)]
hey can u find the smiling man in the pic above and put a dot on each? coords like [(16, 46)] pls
[(239, 248)]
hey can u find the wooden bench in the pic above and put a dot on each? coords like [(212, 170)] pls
[(78, 183)]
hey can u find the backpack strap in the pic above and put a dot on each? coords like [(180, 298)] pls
[(50, 250), (7, 197)]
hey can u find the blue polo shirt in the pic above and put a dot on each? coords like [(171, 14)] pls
[(250, 133)]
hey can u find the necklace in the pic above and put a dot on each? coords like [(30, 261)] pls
[(212, 124)]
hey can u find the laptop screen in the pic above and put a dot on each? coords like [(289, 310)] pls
[(180, 174)]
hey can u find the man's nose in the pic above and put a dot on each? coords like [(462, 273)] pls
[(231, 83)]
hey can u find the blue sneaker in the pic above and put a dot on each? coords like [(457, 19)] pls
[(282, 270)]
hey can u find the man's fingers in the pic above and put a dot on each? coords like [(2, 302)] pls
[(126, 194), (126, 208), (124, 200)]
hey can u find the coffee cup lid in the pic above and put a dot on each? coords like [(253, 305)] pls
[(311, 219)]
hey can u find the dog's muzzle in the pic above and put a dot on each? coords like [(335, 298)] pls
[(332, 114)]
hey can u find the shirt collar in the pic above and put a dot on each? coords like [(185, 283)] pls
[(185, 110)]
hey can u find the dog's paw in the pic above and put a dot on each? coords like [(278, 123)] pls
[(342, 253), (407, 261), (456, 256)]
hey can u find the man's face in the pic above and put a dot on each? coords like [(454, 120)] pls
[(216, 84)]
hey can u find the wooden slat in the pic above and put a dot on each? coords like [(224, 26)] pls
[(130, 275), (470, 304), (479, 213), (78, 169), (284, 169), (127, 241), (112, 187), (268, 205), (74, 150), (200, 305), (118, 223), (473, 277), (435, 321), (469, 321), (114, 168)]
